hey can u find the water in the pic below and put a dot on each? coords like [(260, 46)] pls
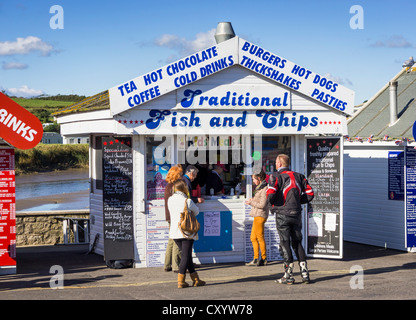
[(66, 190), (35, 190)]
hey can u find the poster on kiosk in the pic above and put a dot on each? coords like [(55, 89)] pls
[(410, 195), (324, 215), (20, 129)]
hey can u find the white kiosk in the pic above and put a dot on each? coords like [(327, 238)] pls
[(234, 103)]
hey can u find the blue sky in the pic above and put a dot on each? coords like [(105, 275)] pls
[(104, 43)]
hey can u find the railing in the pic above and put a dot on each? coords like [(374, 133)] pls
[(69, 224)]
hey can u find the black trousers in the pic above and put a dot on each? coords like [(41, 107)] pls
[(289, 229), (185, 246)]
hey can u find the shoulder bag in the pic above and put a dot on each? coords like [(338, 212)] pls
[(188, 224)]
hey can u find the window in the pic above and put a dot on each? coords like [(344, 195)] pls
[(222, 154), (271, 147), (97, 157), (235, 155), (158, 163)]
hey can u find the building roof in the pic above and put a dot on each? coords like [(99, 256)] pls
[(373, 118), (98, 101)]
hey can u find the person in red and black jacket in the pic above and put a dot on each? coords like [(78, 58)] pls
[(287, 191)]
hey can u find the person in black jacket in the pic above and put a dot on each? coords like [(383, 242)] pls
[(287, 191), (214, 180)]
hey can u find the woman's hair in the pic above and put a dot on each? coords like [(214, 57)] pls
[(174, 173), (261, 175), (180, 185)]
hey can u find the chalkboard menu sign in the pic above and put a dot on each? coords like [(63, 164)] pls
[(410, 218), (118, 198), (324, 211)]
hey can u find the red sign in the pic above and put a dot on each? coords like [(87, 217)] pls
[(18, 126), (7, 211)]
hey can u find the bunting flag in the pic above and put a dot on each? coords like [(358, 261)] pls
[(359, 139), (370, 139), (386, 137)]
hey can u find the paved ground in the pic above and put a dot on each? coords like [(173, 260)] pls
[(387, 275)]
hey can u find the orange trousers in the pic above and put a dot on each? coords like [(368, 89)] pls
[(257, 237)]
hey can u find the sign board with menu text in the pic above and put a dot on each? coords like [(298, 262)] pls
[(410, 196), (324, 214), (7, 212), (118, 198)]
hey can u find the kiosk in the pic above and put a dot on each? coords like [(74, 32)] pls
[(233, 103)]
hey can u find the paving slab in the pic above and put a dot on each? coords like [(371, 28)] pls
[(366, 272)]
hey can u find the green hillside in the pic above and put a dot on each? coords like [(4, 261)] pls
[(42, 107)]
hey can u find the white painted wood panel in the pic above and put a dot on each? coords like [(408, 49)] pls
[(96, 221), (369, 216)]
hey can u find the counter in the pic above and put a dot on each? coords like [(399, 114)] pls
[(224, 235)]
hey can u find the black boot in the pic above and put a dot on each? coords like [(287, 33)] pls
[(262, 262), (288, 276)]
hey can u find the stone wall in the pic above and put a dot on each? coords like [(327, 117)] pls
[(44, 228)]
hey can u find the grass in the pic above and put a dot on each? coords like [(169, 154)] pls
[(50, 157), (40, 103), (43, 108)]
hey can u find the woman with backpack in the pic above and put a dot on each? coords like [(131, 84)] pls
[(260, 212), (176, 205)]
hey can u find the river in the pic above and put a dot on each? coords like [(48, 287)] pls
[(62, 190)]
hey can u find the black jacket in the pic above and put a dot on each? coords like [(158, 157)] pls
[(214, 182), (189, 185), (287, 191)]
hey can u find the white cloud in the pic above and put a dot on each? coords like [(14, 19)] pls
[(14, 65), (24, 92), (25, 46), (338, 80), (395, 41), (185, 47)]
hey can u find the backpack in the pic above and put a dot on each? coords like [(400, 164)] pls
[(188, 224)]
